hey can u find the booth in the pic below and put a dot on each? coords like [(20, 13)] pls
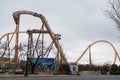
[(74, 68)]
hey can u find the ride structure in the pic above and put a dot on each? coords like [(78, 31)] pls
[(42, 51), (74, 65), (42, 42), (116, 55)]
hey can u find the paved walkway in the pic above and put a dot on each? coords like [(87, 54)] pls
[(22, 75), (57, 77)]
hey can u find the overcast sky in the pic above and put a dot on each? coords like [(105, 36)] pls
[(80, 22)]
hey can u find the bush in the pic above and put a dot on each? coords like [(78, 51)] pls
[(118, 70), (114, 69), (64, 69), (106, 68)]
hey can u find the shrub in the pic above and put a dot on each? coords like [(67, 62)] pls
[(64, 68), (114, 69), (106, 68)]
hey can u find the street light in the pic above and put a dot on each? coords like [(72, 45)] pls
[(28, 51)]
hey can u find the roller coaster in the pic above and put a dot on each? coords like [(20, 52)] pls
[(13, 51), (116, 55), (42, 43)]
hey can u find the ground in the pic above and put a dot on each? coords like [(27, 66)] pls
[(60, 77)]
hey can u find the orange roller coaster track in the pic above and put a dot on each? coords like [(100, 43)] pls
[(99, 41), (41, 31)]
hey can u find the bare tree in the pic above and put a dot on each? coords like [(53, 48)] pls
[(114, 11)]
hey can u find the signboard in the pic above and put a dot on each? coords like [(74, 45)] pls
[(45, 62)]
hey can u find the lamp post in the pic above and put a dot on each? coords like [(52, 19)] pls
[(28, 51), (57, 37)]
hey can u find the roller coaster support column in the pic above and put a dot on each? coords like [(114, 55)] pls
[(90, 62), (16, 42)]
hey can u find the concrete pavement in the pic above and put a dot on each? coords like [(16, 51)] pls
[(59, 77)]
